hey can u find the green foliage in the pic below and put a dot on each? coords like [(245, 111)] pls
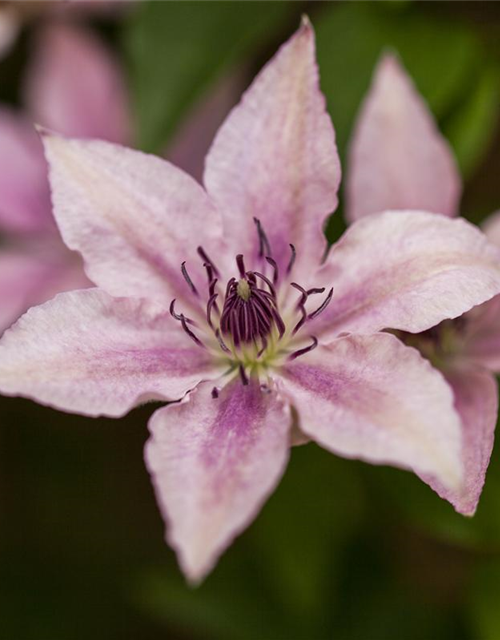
[(177, 50)]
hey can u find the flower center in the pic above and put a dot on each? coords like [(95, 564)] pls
[(250, 333), (250, 311)]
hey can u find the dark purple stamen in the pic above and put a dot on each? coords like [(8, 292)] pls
[(322, 307), (179, 316), (203, 255), (243, 375), (264, 246), (212, 304), (292, 259), (276, 272), (241, 265), (311, 292), (190, 333), (301, 352), (184, 323), (250, 312), (222, 344), (188, 279), (267, 281)]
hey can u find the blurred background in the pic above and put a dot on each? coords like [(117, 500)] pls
[(342, 550)]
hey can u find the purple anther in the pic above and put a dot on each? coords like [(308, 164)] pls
[(243, 375), (179, 316), (188, 279), (274, 265), (301, 352), (212, 304), (311, 292), (190, 333), (267, 281), (264, 246), (292, 259), (203, 255), (303, 298), (241, 265), (222, 344), (215, 393), (322, 307)]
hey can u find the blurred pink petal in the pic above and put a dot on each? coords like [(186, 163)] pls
[(30, 276), (372, 398), (75, 86), (275, 158), (134, 217), (491, 227), (406, 270), (398, 158), (213, 463), (480, 336), (194, 136), (476, 400), (9, 28), (25, 197), (92, 354)]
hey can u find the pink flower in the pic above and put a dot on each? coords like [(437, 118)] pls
[(399, 160), (14, 14), (219, 298), (75, 87)]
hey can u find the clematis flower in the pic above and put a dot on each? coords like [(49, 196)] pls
[(218, 299), (15, 14), (417, 170), (34, 262)]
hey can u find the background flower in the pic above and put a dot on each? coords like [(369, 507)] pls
[(72, 85)]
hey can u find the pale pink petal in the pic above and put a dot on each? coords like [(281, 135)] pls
[(371, 397), (134, 217), (406, 270), (28, 278), (24, 189), (90, 353), (476, 400), (75, 86), (480, 335), (398, 158), (214, 461), (275, 158), (491, 227)]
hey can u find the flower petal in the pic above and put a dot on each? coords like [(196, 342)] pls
[(406, 270), (75, 86), (481, 335), (10, 25), (134, 217), (214, 461), (92, 354), (398, 158), (476, 400), (275, 159), (25, 198), (371, 397), (491, 227), (28, 278)]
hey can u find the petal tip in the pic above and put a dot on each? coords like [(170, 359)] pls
[(305, 23)]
